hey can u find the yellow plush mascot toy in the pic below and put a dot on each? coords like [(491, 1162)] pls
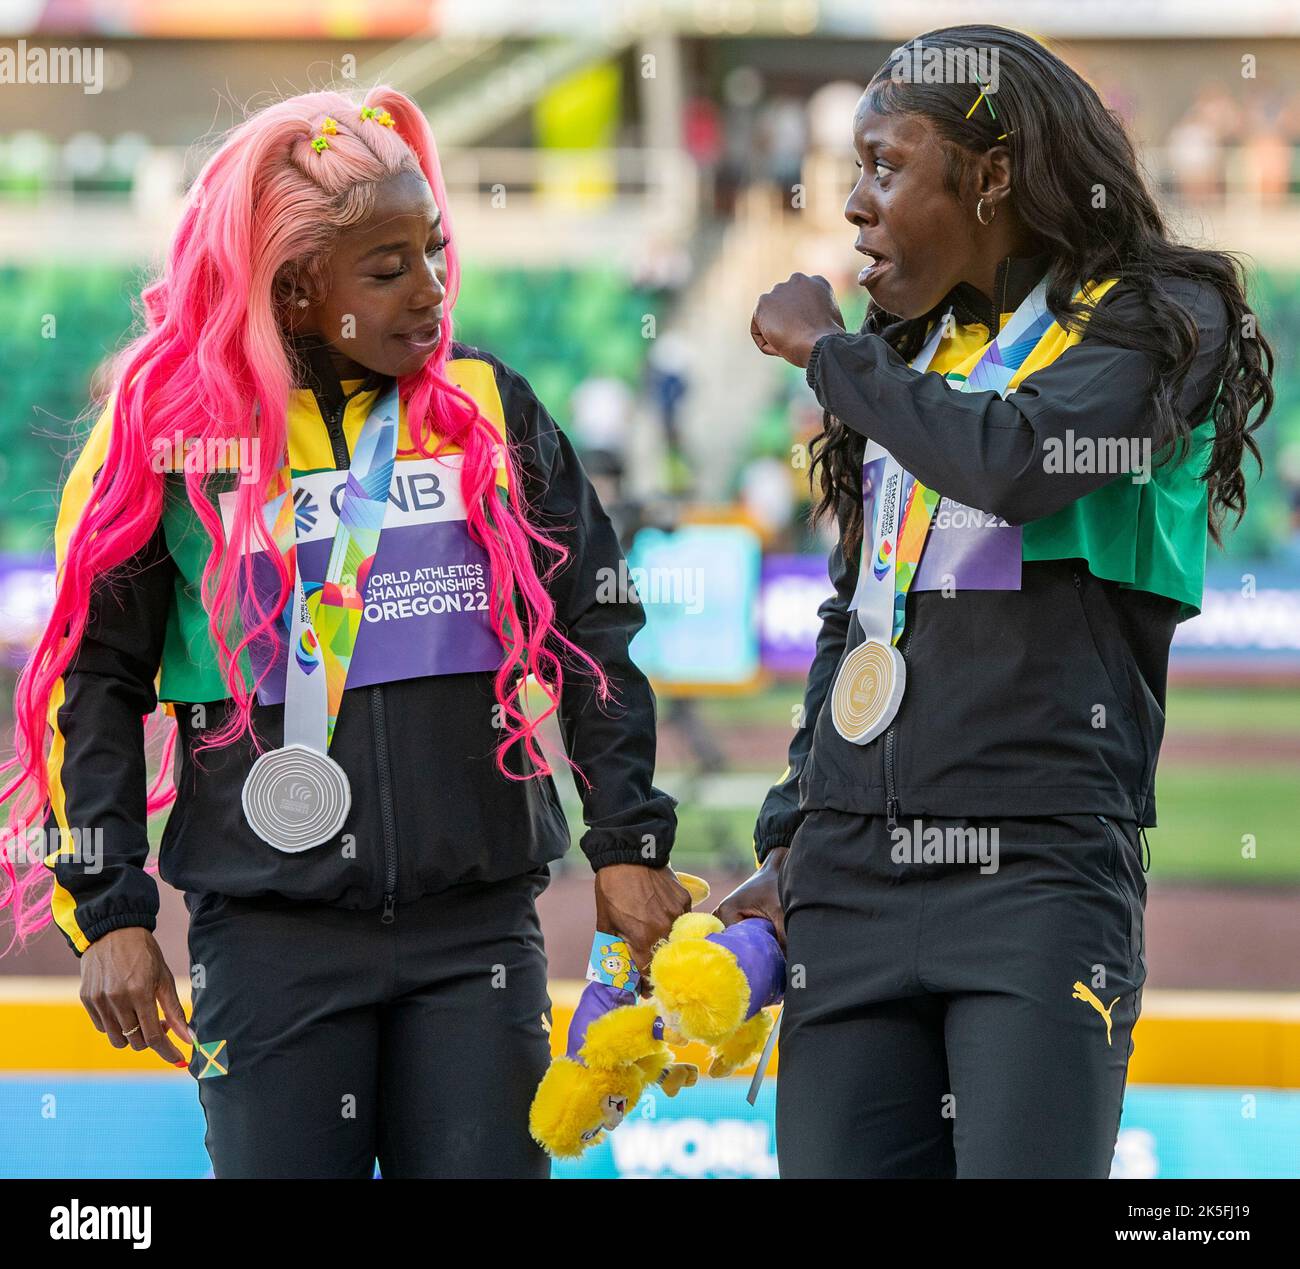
[(711, 985)]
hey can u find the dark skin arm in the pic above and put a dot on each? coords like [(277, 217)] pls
[(758, 896), (640, 904), (124, 982)]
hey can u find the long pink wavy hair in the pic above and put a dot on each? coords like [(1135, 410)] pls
[(212, 364)]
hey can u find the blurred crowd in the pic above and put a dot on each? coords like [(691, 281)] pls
[(1243, 144), (1223, 144)]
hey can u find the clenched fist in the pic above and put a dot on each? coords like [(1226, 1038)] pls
[(790, 318)]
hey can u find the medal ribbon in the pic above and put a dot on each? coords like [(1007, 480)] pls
[(326, 615), (904, 508)]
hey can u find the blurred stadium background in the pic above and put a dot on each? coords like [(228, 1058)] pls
[(625, 180)]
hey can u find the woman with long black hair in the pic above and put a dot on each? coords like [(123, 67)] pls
[(1044, 416)]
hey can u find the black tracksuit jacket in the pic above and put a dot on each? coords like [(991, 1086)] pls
[(997, 715), (429, 809)]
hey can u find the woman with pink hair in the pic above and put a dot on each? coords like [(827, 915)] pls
[(335, 544)]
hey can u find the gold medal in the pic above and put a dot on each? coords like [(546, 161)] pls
[(867, 691)]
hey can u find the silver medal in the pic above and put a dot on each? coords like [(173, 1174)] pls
[(296, 798)]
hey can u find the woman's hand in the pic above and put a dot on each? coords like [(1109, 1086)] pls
[(790, 318), (758, 896), (640, 905), (124, 980)]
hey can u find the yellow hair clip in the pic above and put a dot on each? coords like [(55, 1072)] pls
[(379, 116), (330, 126), (986, 99)]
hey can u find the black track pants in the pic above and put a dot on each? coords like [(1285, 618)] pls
[(327, 1039), (941, 1021)]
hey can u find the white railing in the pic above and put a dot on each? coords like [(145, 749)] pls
[(589, 202)]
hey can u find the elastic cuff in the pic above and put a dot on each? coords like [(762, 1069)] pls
[(769, 844), (118, 921), (644, 836), (813, 359), (625, 855)]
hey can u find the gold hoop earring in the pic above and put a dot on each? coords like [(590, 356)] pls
[(979, 212)]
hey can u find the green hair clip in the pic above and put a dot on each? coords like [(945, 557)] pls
[(984, 97)]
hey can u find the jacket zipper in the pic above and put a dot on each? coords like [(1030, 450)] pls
[(385, 803), (891, 740), (379, 730)]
